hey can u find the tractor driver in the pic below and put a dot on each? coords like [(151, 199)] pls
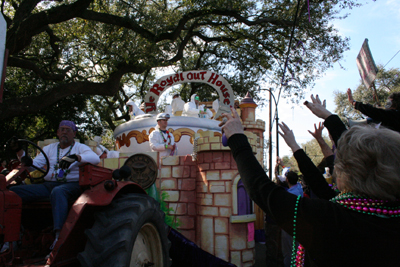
[(61, 184)]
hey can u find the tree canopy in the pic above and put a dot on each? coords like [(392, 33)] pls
[(83, 59)]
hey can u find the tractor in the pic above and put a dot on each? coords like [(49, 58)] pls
[(113, 223)]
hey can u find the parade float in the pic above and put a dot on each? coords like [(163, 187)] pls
[(201, 183)]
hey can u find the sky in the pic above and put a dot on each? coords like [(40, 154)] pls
[(379, 22)]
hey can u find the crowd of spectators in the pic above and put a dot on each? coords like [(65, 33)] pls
[(355, 224)]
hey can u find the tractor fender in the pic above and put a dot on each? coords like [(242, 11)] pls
[(103, 193), (72, 239)]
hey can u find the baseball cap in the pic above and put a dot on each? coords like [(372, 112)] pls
[(162, 116)]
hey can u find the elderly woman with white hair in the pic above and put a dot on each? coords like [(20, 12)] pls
[(359, 227)]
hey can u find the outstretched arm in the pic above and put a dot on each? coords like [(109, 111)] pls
[(317, 134), (310, 172), (332, 122), (273, 199), (389, 117)]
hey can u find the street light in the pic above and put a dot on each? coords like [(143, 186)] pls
[(270, 129)]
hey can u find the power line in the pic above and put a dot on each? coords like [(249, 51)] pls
[(391, 58)]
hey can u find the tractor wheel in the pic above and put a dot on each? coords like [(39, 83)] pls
[(129, 232)]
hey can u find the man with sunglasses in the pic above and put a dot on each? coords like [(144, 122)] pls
[(161, 139)]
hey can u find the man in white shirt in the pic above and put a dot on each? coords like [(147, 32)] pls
[(61, 183), (160, 139)]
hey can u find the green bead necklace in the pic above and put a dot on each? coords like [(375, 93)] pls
[(297, 258)]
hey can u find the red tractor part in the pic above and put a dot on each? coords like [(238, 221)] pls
[(112, 223)]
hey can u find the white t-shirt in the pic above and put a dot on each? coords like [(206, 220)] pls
[(87, 156)]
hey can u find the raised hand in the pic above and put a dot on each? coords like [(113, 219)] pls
[(350, 96), (317, 107), (288, 136), (317, 134), (232, 125)]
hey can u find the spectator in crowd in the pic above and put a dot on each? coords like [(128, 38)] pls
[(195, 109), (281, 179), (334, 230), (134, 110), (328, 152), (389, 116), (177, 105), (160, 139)]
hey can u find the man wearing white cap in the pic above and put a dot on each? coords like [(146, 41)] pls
[(134, 110), (160, 139)]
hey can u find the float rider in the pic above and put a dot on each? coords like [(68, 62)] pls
[(195, 109), (177, 105), (134, 110), (161, 140)]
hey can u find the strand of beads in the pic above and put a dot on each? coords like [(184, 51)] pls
[(294, 250), (367, 205), (168, 136), (300, 256)]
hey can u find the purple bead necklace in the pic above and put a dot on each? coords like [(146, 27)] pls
[(367, 205)]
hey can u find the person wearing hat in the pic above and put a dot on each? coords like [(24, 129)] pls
[(194, 109), (134, 110), (61, 184), (177, 105), (160, 139)]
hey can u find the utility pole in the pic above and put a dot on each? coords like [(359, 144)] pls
[(270, 135), (271, 95), (277, 127)]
